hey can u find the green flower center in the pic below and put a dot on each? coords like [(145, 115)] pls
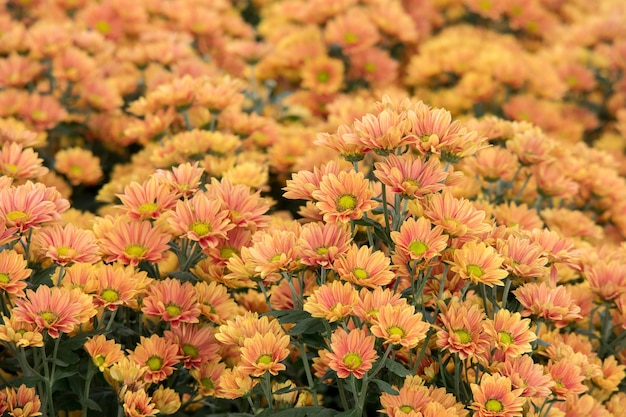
[(226, 252), (275, 258), (464, 336), (395, 331), (370, 67), (135, 250), (190, 350), (173, 309), (103, 27), (505, 337), (417, 248), (360, 273), (321, 250), (200, 228), (474, 270), (4, 278), (350, 37), (48, 316), (99, 360), (207, 383), (264, 359), (493, 405), (352, 360), (147, 208), (323, 76), (406, 409), (110, 295), (346, 202), (155, 363), (63, 250), (75, 170), (17, 216)]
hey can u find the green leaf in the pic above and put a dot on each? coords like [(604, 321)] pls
[(289, 316), (385, 387), (184, 276), (308, 326), (348, 413), (90, 404), (397, 368), (307, 412)]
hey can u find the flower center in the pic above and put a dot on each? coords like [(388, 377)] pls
[(155, 363), (275, 258), (406, 409), (190, 350), (17, 216), (493, 405), (63, 250), (147, 208), (103, 27), (360, 273), (173, 309), (99, 360), (346, 202), (370, 67), (76, 169), (11, 168), (350, 37), (395, 331), (48, 316), (110, 295), (417, 248), (474, 270), (321, 250), (135, 250), (323, 76), (464, 336), (505, 337), (200, 228), (226, 252), (4, 278), (207, 383), (352, 360), (264, 359)]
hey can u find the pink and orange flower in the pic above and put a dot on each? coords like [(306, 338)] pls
[(352, 353)]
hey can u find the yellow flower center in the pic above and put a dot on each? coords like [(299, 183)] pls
[(406, 409), (417, 248), (147, 208), (464, 335), (110, 295), (474, 270), (321, 250), (226, 252), (200, 228), (360, 273), (190, 350), (207, 383), (76, 170), (4, 278), (505, 337), (323, 76), (346, 202), (38, 114), (485, 5), (370, 67), (352, 360), (11, 168), (17, 216), (264, 359), (395, 331), (103, 27), (275, 258), (350, 37), (135, 250), (493, 405), (173, 309), (155, 363), (63, 250), (99, 360), (48, 316)]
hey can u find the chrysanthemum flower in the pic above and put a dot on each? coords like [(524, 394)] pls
[(264, 353), (344, 141), (104, 352), (410, 401), (479, 263), (245, 208), (383, 132), (550, 303), (344, 197), (201, 219), (30, 205), (517, 216), (13, 273), (167, 400), (494, 397), (147, 200), (607, 279), (236, 331), (612, 375), (23, 402), (364, 267), (183, 179), (510, 333), (527, 375), (234, 383), (65, 245), (79, 165), (400, 326), (457, 217), (215, 303), (157, 356), (117, 285), (352, 31), (172, 301), (320, 243), (57, 310), (207, 377), (568, 378), (332, 301), (371, 301), (462, 331), (273, 252), (303, 183), (196, 344), (139, 404), (19, 163), (418, 240), (130, 242), (352, 353), (411, 177), (522, 258), (322, 74), (20, 333)]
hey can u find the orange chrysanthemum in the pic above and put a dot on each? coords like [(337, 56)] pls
[(527, 375), (147, 200), (411, 177), (172, 301), (510, 333), (157, 356), (30, 205), (494, 397), (371, 301), (332, 301), (264, 353), (462, 331), (67, 244), (343, 197), (322, 243), (20, 333), (196, 344), (352, 353), (400, 326), (457, 217), (364, 267), (19, 163), (13, 273), (79, 165), (418, 240), (117, 286), (104, 352), (479, 263), (550, 303), (23, 402), (139, 404)]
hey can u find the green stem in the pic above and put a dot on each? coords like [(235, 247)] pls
[(111, 320), (267, 390), (61, 273), (307, 371), (91, 372), (386, 213), (342, 394)]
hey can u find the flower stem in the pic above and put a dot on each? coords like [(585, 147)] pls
[(307, 371)]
